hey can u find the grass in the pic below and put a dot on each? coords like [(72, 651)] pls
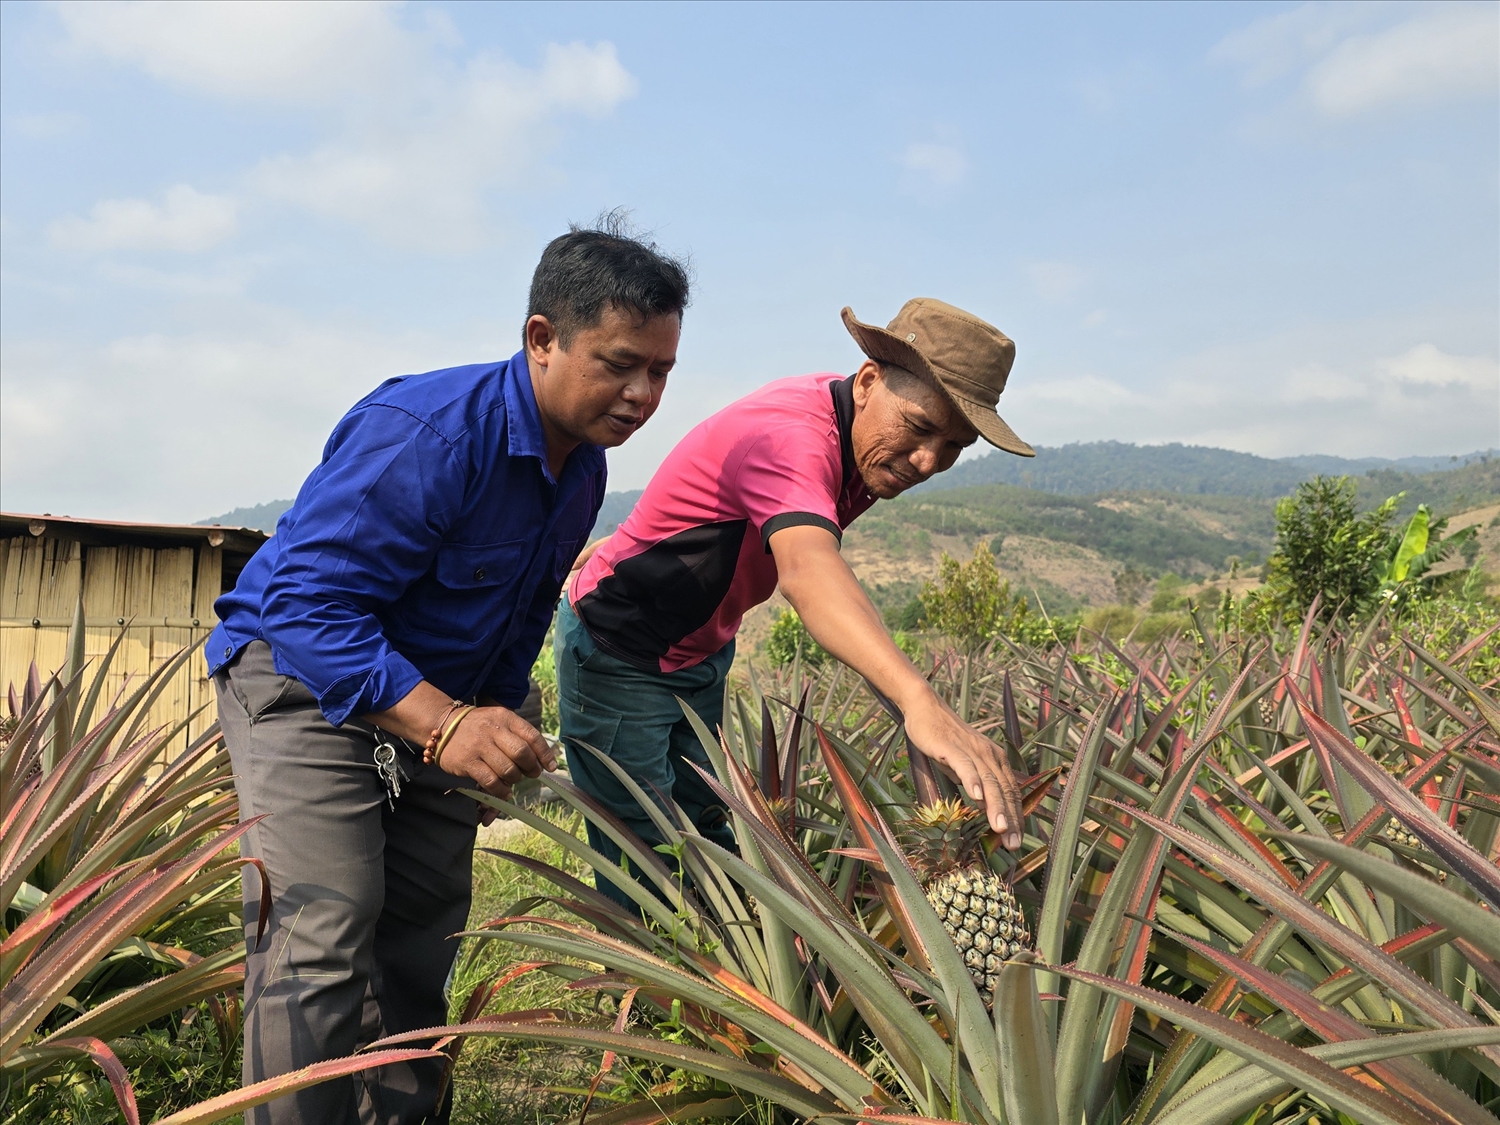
[(499, 1083), (186, 1057), (178, 1061)]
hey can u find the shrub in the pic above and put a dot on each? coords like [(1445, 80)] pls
[(1327, 551), (1168, 594), (790, 639)]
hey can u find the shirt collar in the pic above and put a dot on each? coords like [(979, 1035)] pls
[(843, 412), (524, 423)]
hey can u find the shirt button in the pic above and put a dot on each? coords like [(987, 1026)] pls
[(228, 649), (479, 575)]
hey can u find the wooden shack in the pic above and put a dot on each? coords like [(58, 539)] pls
[(157, 582)]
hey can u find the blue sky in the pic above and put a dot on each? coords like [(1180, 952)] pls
[(1268, 227)]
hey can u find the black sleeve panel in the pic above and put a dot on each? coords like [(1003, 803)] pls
[(797, 519)]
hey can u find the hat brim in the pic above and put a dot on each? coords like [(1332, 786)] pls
[(884, 346)]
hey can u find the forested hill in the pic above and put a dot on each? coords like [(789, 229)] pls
[(1111, 467), (1088, 469)]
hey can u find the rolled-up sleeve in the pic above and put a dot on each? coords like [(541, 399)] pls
[(388, 489)]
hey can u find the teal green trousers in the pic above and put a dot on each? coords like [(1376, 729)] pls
[(633, 717)]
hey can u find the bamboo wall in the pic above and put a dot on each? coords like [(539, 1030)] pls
[(162, 597)]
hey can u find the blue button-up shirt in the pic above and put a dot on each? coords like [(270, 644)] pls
[(431, 543)]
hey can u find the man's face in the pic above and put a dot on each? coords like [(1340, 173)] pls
[(903, 434), (607, 382)]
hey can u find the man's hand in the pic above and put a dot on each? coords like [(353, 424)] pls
[(833, 606), (970, 759), (493, 747), (584, 555)]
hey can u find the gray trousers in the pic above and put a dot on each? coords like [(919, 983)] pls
[(365, 900)]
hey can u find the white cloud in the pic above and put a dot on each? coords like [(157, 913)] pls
[(1427, 365), (186, 220), (1359, 58), (1276, 45), (265, 50), (179, 426), (1055, 281), (418, 179), (1309, 392), (1319, 383), (1422, 400), (931, 164), (47, 126), (1088, 393), (412, 139), (1442, 55)]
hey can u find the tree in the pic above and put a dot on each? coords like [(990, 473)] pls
[(1326, 549), (967, 599), (973, 606), (788, 638)]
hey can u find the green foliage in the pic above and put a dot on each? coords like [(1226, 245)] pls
[(1456, 490), (132, 848), (1327, 550), (1130, 585), (789, 638), (1201, 828), (1151, 533), (1406, 576), (970, 604), (1112, 621), (544, 672), (1167, 596), (1447, 623), (120, 906)]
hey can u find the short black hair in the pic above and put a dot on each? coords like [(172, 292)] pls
[(605, 264)]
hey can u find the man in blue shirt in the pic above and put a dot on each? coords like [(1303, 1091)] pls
[(407, 592)]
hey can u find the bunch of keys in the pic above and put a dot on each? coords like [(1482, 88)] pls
[(389, 767)]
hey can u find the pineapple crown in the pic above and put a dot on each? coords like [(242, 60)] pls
[(943, 836)]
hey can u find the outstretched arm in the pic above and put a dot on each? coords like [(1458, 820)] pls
[(821, 587)]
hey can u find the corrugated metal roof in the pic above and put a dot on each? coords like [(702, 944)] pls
[(109, 533)]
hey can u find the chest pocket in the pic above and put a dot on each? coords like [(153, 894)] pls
[(462, 567), (468, 595)]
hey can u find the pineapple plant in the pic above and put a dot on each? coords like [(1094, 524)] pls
[(943, 842)]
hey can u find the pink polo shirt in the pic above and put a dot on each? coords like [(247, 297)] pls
[(673, 582)]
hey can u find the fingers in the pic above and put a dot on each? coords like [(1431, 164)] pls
[(1001, 807), (978, 766), (508, 747), (522, 743), (480, 772)]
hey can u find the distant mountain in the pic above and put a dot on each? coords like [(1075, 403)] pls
[(1449, 483), (617, 505), (263, 517), (1087, 469)]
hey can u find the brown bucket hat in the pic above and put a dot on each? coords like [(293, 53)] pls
[(966, 360)]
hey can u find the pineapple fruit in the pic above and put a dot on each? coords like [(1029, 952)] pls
[(983, 918), (1398, 833)]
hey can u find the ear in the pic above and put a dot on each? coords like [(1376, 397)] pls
[(865, 380), (541, 340)]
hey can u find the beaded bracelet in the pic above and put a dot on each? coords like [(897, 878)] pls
[(446, 734), (429, 751)]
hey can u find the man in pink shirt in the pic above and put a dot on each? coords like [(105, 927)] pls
[(755, 497)]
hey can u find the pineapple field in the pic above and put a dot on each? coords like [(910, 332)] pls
[(1257, 883)]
